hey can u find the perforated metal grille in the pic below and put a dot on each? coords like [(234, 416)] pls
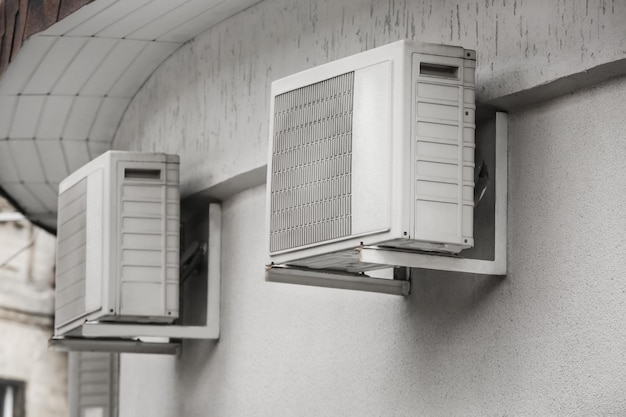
[(311, 164)]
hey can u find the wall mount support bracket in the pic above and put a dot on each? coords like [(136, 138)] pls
[(155, 338), (497, 266), (385, 257), (336, 279)]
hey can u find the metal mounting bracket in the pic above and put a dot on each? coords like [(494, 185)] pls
[(497, 266), (386, 257), (336, 279), (155, 338)]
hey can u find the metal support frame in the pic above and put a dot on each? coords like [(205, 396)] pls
[(155, 338), (114, 346), (388, 257), (395, 257), (336, 279)]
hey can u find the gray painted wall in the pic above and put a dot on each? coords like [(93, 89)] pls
[(209, 101), (547, 340)]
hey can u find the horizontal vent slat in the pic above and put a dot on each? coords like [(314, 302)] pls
[(71, 253)]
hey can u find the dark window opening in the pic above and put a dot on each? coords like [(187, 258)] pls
[(12, 398)]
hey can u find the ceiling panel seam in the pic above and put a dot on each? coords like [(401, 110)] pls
[(38, 122), (98, 21), (65, 122), (65, 162), (47, 66), (21, 126), (38, 154), (78, 14), (135, 30), (10, 118), (67, 66), (11, 159), (93, 122), (34, 70), (129, 66), (35, 197), (104, 58), (115, 38)]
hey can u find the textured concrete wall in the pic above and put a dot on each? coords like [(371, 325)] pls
[(27, 259), (26, 304), (547, 340), (209, 101), (24, 356), (149, 386), (27, 274)]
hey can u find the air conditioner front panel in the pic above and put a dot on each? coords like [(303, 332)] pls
[(408, 131), (371, 150), (118, 241), (311, 184), (147, 239), (443, 151), (330, 167)]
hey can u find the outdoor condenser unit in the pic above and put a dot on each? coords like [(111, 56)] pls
[(374, 149), (118, 241)]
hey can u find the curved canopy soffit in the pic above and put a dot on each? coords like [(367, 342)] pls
[(68, 75)]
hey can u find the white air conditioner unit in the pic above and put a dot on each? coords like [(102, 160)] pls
[(374, 149), (118, 241)]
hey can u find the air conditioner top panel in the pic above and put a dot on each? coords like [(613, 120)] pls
[(111, 157), (372, 148), (369, 57)]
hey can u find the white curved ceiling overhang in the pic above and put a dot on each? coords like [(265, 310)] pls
[(64, 95)]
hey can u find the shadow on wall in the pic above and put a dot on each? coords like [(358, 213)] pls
[(197, 354), (442, 302)]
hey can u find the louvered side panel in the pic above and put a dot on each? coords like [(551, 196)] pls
[(443, 156), (172, 240), (71, 252), (142, 275), (149, 217), (311, 164), (93, 384)]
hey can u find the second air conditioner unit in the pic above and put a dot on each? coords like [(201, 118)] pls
[(118, 241), (373, 149)]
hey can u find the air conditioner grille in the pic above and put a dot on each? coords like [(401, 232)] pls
[(71, 253), (311, 164)]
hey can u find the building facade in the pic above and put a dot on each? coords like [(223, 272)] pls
[(32, 378), (548, 340)]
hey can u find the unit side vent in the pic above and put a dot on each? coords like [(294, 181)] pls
[(149, 249), (71, 253), (312, 164)]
